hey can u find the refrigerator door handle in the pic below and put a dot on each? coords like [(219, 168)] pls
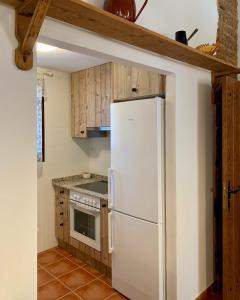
[(110, 188), (110, 232)]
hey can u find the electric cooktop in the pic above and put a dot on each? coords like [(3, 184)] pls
[(100, 187)]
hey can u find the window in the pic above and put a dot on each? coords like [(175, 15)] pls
[(40, 119)]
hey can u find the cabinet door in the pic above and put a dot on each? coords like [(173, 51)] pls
[(122, 81), (79, 116), (103, 98), (145, 83), (106, 93), (91, 96), (105, 256), (59, 222), (136, 82)]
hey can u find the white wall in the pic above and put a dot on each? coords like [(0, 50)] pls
[(64, 156), (18, 192), (169, 16), (99, 155), (189, 156)]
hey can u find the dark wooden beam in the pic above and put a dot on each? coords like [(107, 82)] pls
[(29, 19)]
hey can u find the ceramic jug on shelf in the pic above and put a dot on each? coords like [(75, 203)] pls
[(124, 8)]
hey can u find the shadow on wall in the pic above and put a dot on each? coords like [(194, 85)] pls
[(206, 182)]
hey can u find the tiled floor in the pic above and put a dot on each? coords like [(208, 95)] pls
[(62, 276)]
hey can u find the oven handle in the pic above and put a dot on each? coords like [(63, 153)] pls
[(110, 188), (110, 233), (85, 208)]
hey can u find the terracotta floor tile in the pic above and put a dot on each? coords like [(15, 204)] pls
[(96, 290), (76, 279), (52, 291), (106, 279), (61, 267), (43, 277), (116, 297), (92, 270), (48, 257), (70, 296), (77, 261), (62, 251)]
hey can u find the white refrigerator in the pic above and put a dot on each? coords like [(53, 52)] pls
[(137, 198)]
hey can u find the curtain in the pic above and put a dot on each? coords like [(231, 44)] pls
[(40, 117)]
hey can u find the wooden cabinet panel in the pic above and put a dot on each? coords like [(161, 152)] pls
[(106, 93), (94, 89), (91, 97), (79, 105), (145, 82), (122, 81), (105, 256), (98, 97), (59, 222)]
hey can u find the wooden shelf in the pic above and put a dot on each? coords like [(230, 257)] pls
[(87, 16)]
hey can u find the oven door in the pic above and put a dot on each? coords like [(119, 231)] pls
[(85, 224)]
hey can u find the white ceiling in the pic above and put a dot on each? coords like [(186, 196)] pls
[(67, 61)]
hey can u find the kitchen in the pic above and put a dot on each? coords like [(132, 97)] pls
[(189, 117), (85, 152)]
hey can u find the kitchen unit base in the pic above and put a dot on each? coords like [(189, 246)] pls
[(97, 258), (86, 258)]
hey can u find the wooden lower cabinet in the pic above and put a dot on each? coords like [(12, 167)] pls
[(101, 260)]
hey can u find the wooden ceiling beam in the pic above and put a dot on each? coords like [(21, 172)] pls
[(29, 19), (87, 16)]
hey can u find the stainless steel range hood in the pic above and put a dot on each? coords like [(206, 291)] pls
[(102, 131)]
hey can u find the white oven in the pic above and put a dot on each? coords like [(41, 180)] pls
[(85, 219)]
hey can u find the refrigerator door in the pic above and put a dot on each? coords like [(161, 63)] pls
[(136, 270), (137, 145)]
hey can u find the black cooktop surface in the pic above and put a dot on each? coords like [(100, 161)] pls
[(100, 187)]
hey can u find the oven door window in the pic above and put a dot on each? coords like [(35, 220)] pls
[(84, 224)]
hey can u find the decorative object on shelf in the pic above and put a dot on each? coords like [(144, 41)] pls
[(208, 49), (124, 8), (181, 36)]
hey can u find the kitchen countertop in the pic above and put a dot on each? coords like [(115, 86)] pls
[(71, 181)]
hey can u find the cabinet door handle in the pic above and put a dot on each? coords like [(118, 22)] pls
[(62, 192), (61, 214), (61, 202), (61, 224), (82, 132), (135, 90)]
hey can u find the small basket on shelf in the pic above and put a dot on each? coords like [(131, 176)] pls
[(208, 49)]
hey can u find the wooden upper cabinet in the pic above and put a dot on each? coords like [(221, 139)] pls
[(135, 82), (95, 88)]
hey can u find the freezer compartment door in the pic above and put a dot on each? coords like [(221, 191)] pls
[(135, 258), (136, 145)]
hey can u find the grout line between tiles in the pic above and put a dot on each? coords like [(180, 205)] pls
[(78, 267), (100, 278), (71, 290)]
